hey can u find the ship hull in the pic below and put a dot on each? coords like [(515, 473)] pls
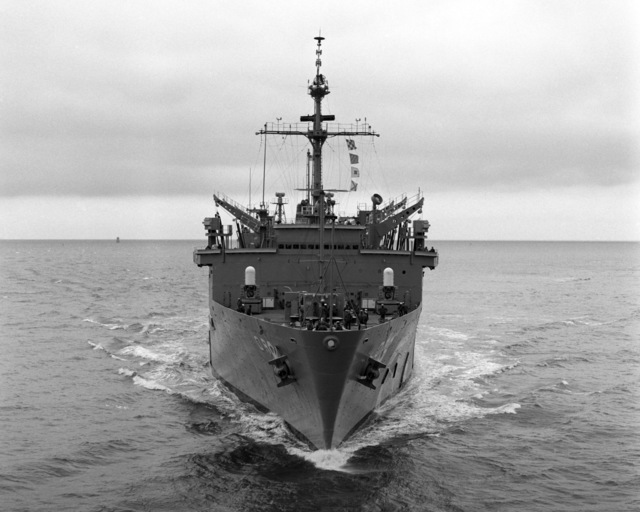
[(283, 294), (327, 394)]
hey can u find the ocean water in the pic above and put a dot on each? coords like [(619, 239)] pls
[(525, 395)]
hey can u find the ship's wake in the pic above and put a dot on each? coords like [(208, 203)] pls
[(451, 383)]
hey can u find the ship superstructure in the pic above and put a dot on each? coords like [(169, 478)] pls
[(316, 319)]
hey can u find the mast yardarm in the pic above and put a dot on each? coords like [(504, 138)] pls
[(317, 133)]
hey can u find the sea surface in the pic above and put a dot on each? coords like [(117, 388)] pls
[(525, 396)]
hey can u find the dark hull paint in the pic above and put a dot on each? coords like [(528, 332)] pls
[(326, 403)]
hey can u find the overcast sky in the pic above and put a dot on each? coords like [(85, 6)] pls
[(519, 120)]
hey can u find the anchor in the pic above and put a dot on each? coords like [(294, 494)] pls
[(371, 372), (282, 371)]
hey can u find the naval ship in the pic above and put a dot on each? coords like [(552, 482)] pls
[(315, 318)]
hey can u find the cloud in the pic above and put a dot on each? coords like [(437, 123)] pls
[(161, 98)]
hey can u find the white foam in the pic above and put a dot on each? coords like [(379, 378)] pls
[(476, 364), (110, 326), (330, 460), (506, 409), (127, 372), (439, 393), (145, 353), (449, 333), (151, 328), (150, 384), (96, 346)]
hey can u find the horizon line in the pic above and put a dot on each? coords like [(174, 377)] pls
[(120, 239)]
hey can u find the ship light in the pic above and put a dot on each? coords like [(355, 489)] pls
[(249, 276), (387, 277), (250, 282), (388, 289)]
